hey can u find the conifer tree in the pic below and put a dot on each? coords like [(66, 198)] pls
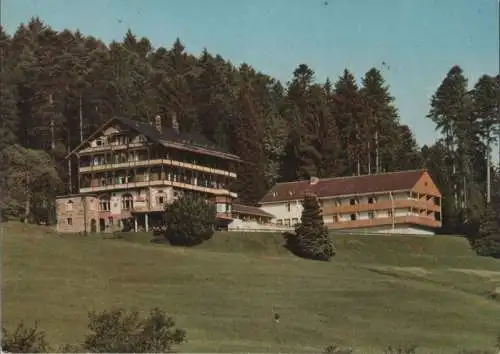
[(311, 239)]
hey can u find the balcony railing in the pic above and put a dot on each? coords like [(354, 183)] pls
[(156, 162), (382, 205), (179, 185), (386, 221), (109, 147)]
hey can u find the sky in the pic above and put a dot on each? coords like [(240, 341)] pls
[(418, 40)]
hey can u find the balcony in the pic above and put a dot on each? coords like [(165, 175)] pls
[(109, 147), (145, 184), (398, 220), (156, 162), (383, 205)]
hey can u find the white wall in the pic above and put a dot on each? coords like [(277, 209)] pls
[(280, 210), (399, 229), (253, 226)]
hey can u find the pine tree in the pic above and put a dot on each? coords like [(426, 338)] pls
[(486, 241), (248, 144), (348, 110), (311, 239), (381, 127), (295, 111), (485, 109)]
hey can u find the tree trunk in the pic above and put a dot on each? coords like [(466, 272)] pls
[(369, 158), (27, 202), (488, 171), (81, 119), (377, 154)]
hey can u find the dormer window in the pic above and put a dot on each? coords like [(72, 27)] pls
[(275, 194), (290, 193)]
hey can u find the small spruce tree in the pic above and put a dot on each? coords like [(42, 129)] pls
[(486, 242), (311, 239), (189, 221)]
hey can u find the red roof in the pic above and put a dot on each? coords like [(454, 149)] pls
[(340, 186)]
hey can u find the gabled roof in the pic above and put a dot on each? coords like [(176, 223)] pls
[(250, 210), (344, 186), (168, 137)]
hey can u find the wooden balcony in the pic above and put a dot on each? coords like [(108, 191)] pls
[(398, 220), (157, 162), (383, 205), (109, 147), (146, 184)]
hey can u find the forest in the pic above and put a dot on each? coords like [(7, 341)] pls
[(58, 87)]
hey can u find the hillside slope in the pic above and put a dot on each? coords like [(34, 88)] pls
[(377, 291)]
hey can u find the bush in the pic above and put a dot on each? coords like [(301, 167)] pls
[(189, 221), (117, 332), (311, 239), (333, 349), (24, 340), (401, 349)]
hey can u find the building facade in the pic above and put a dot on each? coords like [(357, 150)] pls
[(406, 202), (129, 170)]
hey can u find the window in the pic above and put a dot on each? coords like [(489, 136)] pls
[(279, 222), (287, 222), (127, 202), (337, 203), (70, 221), (437, 201), (104, 203), (371, 215), (389, 212), (353, 217), (335, 218), (69, 205), (288, 208), (295, 221), (353, 201), (110, 221), (371, 200)]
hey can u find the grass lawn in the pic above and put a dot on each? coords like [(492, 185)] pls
[(378, 290)]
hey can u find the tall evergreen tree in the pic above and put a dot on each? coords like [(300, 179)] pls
[(348, 110), (311, 238), (249, 136)]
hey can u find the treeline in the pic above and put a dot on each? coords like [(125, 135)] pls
[(51, 82)]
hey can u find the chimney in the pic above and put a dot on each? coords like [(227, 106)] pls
[(175, 124), (313, 180), (157, 122)]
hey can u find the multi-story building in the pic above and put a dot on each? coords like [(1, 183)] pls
[(405, 202), (129, 170)]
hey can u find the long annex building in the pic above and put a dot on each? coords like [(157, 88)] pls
[(406, 202)]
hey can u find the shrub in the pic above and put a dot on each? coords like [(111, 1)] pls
[(311, 239), (24, 340), (333, 349), (118, 332), (401, 349), (189, 221)]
